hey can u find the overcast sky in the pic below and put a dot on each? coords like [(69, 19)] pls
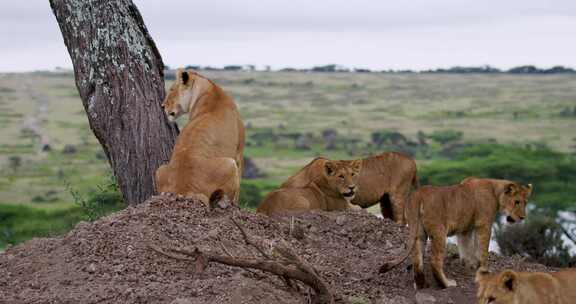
[(377, 34)]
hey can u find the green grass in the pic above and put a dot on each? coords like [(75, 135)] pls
[(505, 111), (22, 222)]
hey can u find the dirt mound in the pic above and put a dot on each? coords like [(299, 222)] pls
[(110, 261)]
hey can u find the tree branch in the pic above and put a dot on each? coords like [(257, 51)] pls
[(284, 263)]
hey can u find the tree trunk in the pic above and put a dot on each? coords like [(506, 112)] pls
[(119, 74)]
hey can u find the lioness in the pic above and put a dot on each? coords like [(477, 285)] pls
[(208, 153), (510, 287), (466, 210), (385, 178), (332, 190)]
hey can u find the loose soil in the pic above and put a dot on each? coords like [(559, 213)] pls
[(110, 261)]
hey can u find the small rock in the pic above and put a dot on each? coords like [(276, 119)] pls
[(91, 268), (340, 220), (224, 203), (394, 300), (69, 149), (424, 298), (181, 301)]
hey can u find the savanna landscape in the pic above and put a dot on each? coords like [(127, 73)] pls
[(518, 127)]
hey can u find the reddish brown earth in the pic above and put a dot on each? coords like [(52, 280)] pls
[(109, 261)]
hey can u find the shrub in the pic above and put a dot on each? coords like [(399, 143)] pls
[(106, 198), (539, 238), (250, 196), (446, 136)]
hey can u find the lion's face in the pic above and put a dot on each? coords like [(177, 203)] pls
[(496, 288), (513, 201), (342, 176), (179, 98)]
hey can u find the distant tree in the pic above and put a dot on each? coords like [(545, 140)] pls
[(251, 171), (233, 68), (422, 138), (525, 69), (14, 162), (466, 70), (325, 68), (304, 142), (446, 136), (119, 75), (330, 68), (394, 138), (559, 70), (262, 136), (329, 136)]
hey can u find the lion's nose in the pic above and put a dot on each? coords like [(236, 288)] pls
[(352, 187)]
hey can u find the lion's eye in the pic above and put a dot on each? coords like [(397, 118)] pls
[(491, 300), (341, 176), (353, 174)]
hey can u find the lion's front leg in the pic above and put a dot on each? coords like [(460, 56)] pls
[(483, 235), (353, 207)]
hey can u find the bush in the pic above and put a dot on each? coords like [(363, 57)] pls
[(446, 136), (252, 192), (388, 138), (105, 199), (250, 196), (539, 238)]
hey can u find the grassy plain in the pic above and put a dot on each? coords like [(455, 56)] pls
[(514, 110)]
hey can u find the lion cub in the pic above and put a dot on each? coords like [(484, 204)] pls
[(466, 210), (386, 178), (334, 189), (208, 152), (510, 287)]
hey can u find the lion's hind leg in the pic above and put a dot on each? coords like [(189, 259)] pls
[(437, 259), (284, 201), (162, 179), (418, 259), (224, 174)]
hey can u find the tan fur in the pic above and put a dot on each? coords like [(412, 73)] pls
[(510, 287), (332, 189), (466, 210), (385, 178), (208, 153)]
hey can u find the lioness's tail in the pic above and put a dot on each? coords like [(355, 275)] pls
[(413, 218)]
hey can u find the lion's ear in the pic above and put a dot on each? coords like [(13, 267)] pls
[(508, 279), (329, 168), (528, 189), (481, 274), (357, 165), (510, 188), (185, 77)]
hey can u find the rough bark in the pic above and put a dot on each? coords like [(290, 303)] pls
[(119, 75)]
